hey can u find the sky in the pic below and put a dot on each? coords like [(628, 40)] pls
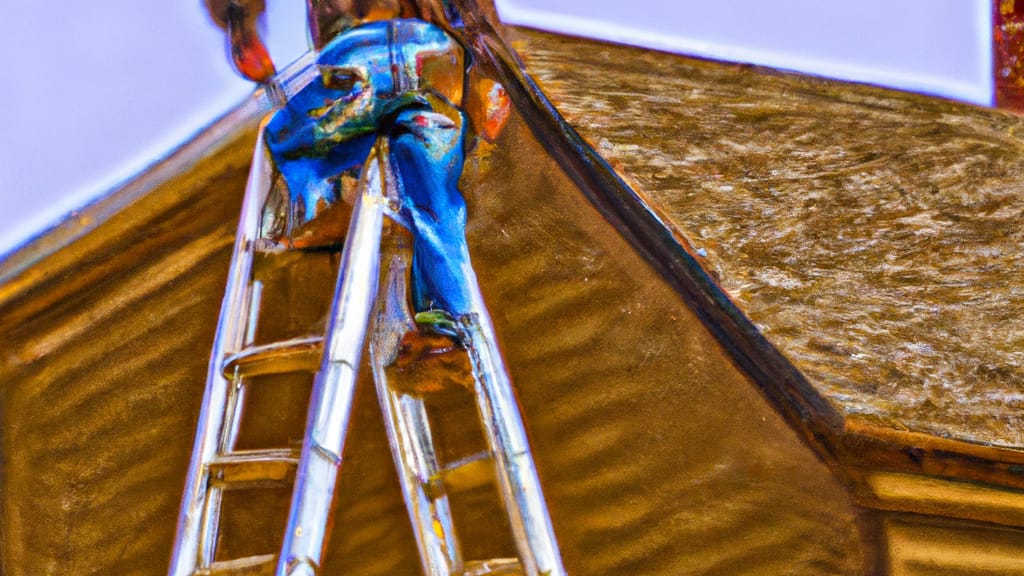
[(96, 91)]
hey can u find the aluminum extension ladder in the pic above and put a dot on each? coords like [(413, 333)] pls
[(217, 466)]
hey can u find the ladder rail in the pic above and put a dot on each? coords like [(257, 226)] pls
[(188, 553), (506, 437), (193, 528), (412, 445), (408, 426), (408, 429), (334, 386)]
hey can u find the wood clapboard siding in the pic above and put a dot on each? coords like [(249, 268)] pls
[(102, 372), (660, 456)]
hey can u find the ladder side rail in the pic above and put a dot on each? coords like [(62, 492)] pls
[(423, 483), (236, 391), (230, 335), (410, 438), (506, 435), (334, 386)]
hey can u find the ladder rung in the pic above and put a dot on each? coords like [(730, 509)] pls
[(493, 567), (250, 566), (468, 473), (298, 355), (254, 467)]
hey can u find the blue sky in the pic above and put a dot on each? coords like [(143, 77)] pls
[(96, 91)]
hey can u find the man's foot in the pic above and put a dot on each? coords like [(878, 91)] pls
[(437, 321), (430, 361)]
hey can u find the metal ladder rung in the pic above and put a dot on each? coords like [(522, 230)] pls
[(493, 567), (298, 355), (250, 566), (254, 467), (468, 473)]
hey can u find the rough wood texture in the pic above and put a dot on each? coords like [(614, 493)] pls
[(105, 344), (657, 455), (873, 236), (922, 546)]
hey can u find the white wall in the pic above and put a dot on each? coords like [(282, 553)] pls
[(939, 47), (95, 91)]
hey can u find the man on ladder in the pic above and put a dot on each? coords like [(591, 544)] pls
[(384, 103)]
